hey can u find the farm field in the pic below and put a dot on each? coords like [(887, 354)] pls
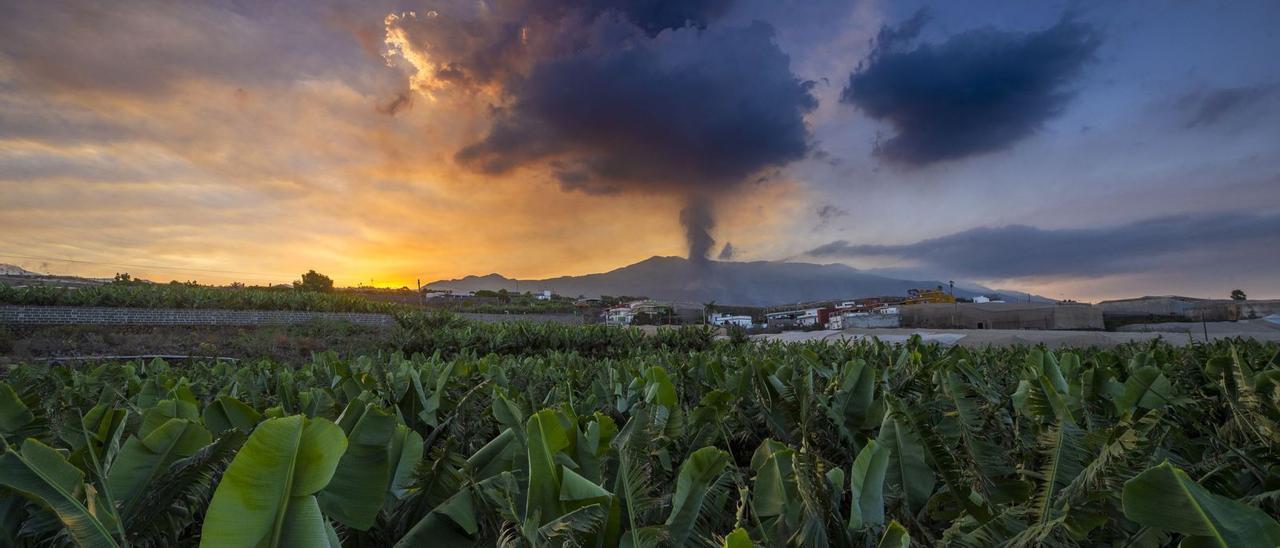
[(523, 434), (181, 295)]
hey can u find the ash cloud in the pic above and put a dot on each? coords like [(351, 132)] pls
[(689, 110), (727, 252), (1016, 251), (978, 92), (639, 97), (698, 221)]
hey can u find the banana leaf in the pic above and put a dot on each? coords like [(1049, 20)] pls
[(1164, 497), (43, 475), (267, 496)]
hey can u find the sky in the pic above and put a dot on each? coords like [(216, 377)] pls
[(1081, 149)]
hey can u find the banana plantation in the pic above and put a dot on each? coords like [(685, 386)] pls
[(520, 435)]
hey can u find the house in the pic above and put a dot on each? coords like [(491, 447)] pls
[(544, 295), (728, 319), (804, 317), (622, 315)]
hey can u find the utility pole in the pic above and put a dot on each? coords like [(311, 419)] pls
[(955, 306), (421, 300)]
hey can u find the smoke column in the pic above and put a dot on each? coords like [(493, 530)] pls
[(698, 222)]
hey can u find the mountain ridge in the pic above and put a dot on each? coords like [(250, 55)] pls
[(748, 283)]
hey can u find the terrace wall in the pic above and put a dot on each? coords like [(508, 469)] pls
[(1001, 316), (86, 315)]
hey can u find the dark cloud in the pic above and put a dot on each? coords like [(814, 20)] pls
[(481, 44), (827, 214), (609, 106), (978, 92), (687, 110), (1214, 105), (727, 252), (655, 16), (401, 102), (830, 212), (1145, 246)]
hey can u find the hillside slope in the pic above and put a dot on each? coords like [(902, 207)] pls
[(758, 283)]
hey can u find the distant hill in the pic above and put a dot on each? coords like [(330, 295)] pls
[(13, 270), (758, 283)]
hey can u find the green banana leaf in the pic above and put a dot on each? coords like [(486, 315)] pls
[(1146, 388), (895, 536), (43, 475), (227, 412), (266, 498), (866, 483), (658, 389), (450, 525), (908, 471), (13, 413), (143, 459), (851, 408), (1164, 497), (546, 438), (697, 474), (404, 452), (359, 486)]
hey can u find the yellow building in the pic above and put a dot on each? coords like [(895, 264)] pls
[(929, 296)]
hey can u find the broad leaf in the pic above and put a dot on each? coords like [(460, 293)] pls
[(359, 485), (143, 459), (41, 474), (1164, 497), (697, 474), (908, 471), (866, 483), (267, 496)]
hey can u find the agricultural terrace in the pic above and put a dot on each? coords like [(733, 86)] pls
[(187, 295), (543, 435)]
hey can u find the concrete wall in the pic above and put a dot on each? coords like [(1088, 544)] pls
[(84, 315), (1001, 316), (1212, 310), (871, 321)]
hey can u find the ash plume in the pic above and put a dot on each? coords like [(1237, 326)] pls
[(697, 221), (604, 97)]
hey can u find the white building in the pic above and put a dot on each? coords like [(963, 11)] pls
[(622, 315), (726, 319), (545, 295), (981, 299)]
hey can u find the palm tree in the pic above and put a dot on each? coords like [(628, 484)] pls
[(708, 309)]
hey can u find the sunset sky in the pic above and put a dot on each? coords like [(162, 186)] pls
[(1088, 150)]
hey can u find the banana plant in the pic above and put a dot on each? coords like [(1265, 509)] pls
[(268, 495), (1164, 497)]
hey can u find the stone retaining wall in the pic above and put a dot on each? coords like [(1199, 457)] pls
[(84, 315)]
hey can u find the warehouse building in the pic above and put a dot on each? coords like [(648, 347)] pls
[(1186, 309), (1001, 316)]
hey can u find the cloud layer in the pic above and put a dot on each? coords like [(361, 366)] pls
[(978, 92), (1018, 251)]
